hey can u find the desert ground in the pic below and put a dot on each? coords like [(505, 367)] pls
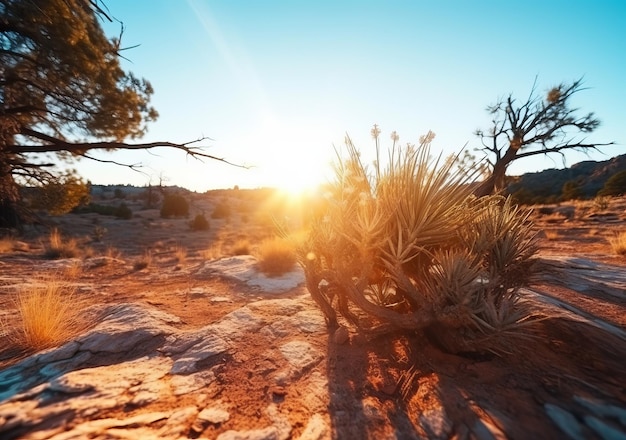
[(180, 336)]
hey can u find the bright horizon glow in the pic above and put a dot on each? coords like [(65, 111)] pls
[(277, 85)]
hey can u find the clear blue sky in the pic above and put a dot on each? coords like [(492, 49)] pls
[(277, 84)]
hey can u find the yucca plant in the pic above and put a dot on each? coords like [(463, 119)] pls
[(408, 246)]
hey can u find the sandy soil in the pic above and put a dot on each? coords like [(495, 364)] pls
[(569, 359)]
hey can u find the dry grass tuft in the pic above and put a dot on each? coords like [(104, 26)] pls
[(48, 314), (551, 234), (143, 261), (58, 247), (276, 256), (7, 244), (241, 247), (180, 254), (618, 243)]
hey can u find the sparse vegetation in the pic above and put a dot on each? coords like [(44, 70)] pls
[(276, 256), (615, 185), (6, 244), (222, 210), (48, 314), (199, 223), (241, 247), (618, 243), (98, 233), (143, 261), (180, 254), (601, 203), (60, 247), (174, 205), (455, 263)]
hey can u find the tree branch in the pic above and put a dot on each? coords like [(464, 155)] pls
[(57, 145)]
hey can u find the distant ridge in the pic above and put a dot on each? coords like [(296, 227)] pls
[(590, 176)]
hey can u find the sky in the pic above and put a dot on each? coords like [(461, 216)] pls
[(277, 85)]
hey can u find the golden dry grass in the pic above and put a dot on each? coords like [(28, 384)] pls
[(143, 261), (276, 256), (180, 254), (241, 247), (48, 314), (618, 243), (6, 244), (59, 247), (551, 234)]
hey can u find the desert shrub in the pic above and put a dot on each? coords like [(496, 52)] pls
[(7, 244), (48, 314), (600, 203), (241, 247), (618, 243), (180, 254), (123, 212), (436, 258), (221, 211), (615, 185), (174, 205), (143, 261), (571, 190), (98, 233), (60, 247), (62, 195), (199, 223), (276, 256)]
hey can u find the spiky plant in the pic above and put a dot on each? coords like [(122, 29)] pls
[(408, 246)]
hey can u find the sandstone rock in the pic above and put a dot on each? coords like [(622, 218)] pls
[(315, 429), (301, 356)]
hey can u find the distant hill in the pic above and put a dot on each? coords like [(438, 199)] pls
[(589, 175)]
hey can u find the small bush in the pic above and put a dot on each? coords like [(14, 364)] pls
[(144, 261), (615, 185), (241, 247), (601, 203), (98, 233), (174, 205), (6, 244), (123, 212), (618, 243), (221, 211), (57, 247), (276, 257), (199, 223)]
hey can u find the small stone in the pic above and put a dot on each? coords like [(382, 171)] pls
[(341, 335)]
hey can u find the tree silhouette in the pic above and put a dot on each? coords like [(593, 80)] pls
[(539, 125), (63, 94)]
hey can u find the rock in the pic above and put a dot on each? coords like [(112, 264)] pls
[(301, 356), (214, 415), (209, 346), (315, 429)]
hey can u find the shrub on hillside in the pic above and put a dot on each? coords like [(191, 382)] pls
[(615, 185), (123, 212), (222, 210), (199, 223), (174, 205)]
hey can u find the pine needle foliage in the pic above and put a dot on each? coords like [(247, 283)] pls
[(407, 245)]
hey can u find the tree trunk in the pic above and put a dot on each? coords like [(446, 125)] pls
[(10, 206), (496, 181)]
